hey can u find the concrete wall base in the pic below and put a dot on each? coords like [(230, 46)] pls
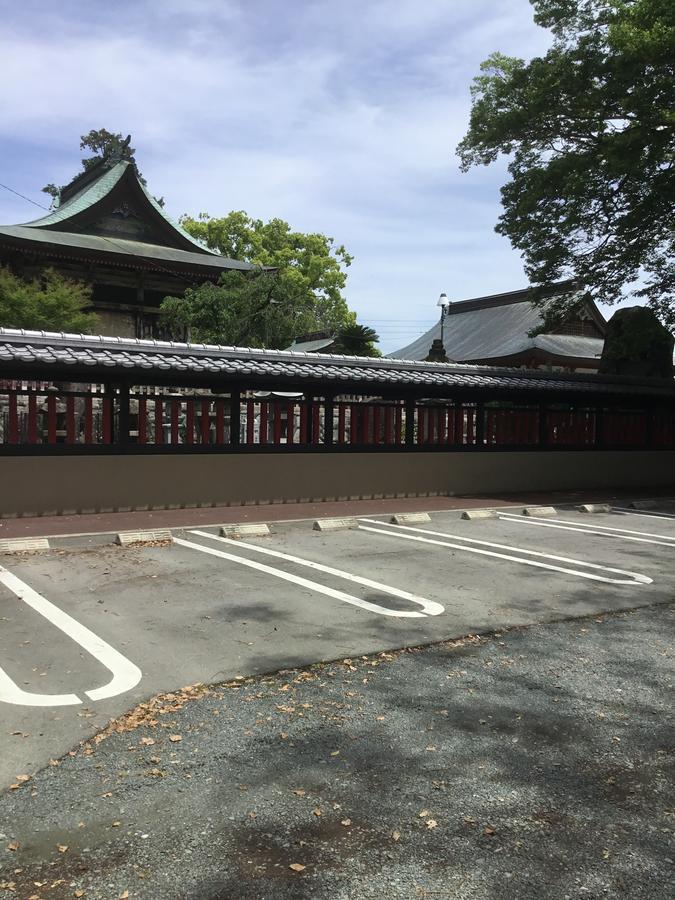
[(49, 485)]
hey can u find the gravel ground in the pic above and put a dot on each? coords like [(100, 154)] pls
[(528, 764)]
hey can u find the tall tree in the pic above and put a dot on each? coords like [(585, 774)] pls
[(297, 285), (590, 132), (52, 303)]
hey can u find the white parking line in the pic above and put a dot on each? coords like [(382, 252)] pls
[(633, 577), (125, 674), (644, 515), (430, 608), (600, 530)]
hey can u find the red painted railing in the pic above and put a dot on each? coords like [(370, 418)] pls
[(38, 413)]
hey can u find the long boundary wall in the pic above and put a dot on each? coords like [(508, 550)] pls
[(32, 485)]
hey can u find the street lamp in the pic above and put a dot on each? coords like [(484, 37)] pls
[(444, 304)]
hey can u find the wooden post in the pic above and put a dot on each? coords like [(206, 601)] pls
[(599, 427), (235, 418), (480, 424), (122, 436), (328, 413), (308, 401), (543, 425), (409, 422)]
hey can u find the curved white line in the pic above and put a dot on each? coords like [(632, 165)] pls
[(588, 529), (635, 577), (303, 582), (10, 692), (125, 674), (430, 607)]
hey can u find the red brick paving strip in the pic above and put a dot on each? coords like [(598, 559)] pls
[(97, 523)]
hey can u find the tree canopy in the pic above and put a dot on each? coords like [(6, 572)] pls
[(297, 284), (590, 131), (356, 340), (51, 303), (103, 144)]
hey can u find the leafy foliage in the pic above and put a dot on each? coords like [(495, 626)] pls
[(590, 129), (104, 144), (356, 340), (53, 303), (264, 308)]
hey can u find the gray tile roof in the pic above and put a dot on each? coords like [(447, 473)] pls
[(101, 356), (499, 328)]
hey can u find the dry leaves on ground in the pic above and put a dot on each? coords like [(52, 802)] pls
[(297, 867)]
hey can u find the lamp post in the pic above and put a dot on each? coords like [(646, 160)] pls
[(437, 352), (444, 304)]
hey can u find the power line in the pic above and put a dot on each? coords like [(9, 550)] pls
[(23, 196)]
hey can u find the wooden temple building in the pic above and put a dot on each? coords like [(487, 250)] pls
[(108, 230), (496, 331)]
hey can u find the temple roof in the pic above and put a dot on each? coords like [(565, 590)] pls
[(498, 326), (97, 357), (107, 210)]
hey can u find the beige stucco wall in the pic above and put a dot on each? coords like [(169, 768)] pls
[(48, 485)]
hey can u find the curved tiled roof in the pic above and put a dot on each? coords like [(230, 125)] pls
[(495, 327), (141, 359), (94, 191)]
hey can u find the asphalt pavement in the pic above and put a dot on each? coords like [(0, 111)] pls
[(529, 764)]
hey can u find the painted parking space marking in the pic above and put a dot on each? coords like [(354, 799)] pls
[(397, 531), (643, 515), (125, 675), (430, 608), (599, 530)]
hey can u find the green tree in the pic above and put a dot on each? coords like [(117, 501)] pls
[(356, 340), (590, 132), (51, 303), (103, 144), (296, 287)]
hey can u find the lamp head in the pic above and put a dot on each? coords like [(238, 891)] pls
[(443, 301)]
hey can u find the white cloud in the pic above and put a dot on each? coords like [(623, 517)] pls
[(339, 117)]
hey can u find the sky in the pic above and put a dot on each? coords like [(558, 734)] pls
[(339, 117)]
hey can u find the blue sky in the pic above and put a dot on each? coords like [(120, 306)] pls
[(339, 117)]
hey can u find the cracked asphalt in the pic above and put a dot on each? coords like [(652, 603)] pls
[(530, 763)]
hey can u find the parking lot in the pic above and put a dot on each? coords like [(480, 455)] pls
[(90, 631)]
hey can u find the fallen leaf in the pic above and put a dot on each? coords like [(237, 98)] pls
[(396, 835), (23, 778), (13, 846), (346, 822), (147, 741), (317, 811), (62, 847), (54, 762), (175, 738), (107, 794), (124, 895), (488, 831), (297, 867), (335, 753), (79, 893), (425, 812), (431, 823), (115, 824), (299, 792)]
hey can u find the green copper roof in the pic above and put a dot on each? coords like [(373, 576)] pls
[(93, 192), (158, 255)]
